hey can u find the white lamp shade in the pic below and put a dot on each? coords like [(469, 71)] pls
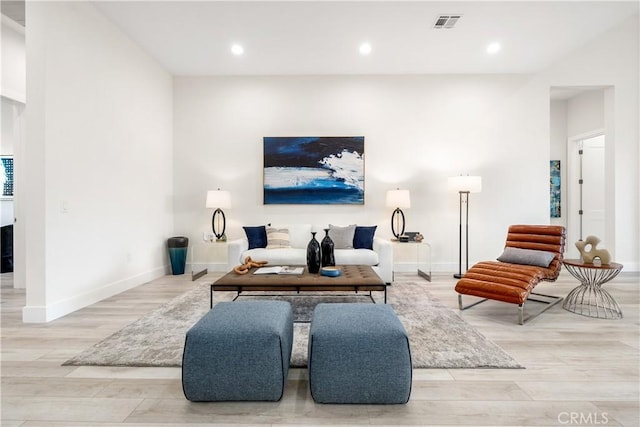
[(398, 199), (463, 183), (218, 199)]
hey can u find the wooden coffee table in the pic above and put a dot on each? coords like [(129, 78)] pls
[(354, 278)]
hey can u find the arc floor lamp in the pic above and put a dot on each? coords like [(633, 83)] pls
[(464, 184)]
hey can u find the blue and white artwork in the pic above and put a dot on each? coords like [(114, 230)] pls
[(314, 170), (6, 176), (554, 184)]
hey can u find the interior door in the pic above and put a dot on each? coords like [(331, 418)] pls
[(586, 189), (593, 189)]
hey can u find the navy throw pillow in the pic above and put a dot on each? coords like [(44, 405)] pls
[(257, 236), (363, 238)]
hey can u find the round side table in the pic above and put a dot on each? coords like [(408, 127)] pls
[(590, 299)]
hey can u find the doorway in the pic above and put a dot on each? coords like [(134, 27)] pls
[(587, 190)]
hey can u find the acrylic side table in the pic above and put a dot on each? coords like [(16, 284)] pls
[(590, 299), (424, 260), (412, 256)]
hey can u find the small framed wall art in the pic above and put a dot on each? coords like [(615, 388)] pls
[(554, 188), (6, 176)]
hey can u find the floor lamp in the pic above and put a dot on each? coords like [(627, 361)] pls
[(464, 185)]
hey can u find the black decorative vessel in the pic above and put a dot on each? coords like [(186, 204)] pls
[(313, 254), (178, 253), (326, 249)]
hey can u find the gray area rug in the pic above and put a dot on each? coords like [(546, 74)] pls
[(439, 338)]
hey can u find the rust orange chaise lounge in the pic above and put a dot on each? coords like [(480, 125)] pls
[(532, 253)]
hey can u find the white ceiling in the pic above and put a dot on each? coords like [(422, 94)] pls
[(322, 37)]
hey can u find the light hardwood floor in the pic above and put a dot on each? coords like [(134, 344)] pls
[(579, 370)]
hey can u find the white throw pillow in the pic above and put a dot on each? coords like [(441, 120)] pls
[(299, 234), (277, 238)]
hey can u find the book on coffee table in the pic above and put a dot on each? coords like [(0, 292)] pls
[(280, 269)]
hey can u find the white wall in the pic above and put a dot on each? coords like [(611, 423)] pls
[(98, 161), (418, 130), (558, 125), (13, 94), (585, 113), (12, 113), (13, 82), (612, 60)]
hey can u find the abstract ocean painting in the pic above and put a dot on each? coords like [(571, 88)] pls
[(314, 170)]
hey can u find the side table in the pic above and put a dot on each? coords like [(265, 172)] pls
[(590, 299), (208, 256), (412, 256), (424, 260)]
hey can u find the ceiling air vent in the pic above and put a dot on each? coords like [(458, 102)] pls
[(446, 21)]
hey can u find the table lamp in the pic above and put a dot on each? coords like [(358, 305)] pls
[(398, 199), (217, 199)]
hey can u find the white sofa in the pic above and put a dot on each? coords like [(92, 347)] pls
[(380, 258)]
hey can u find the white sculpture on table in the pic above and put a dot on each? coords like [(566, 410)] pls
[(589, 255)]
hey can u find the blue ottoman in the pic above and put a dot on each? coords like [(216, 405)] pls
[(239, 351), (358, 353)]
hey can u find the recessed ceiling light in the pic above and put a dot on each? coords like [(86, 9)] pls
[(237, 49), (493, 48), (365, 49)]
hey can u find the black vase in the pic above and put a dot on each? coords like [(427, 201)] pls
[(313, 254), (326, 247)]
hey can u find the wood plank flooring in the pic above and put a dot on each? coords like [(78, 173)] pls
[(579, 371)]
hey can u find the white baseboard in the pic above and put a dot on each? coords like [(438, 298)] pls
[(55, 310), (412, 267), (630, 266)]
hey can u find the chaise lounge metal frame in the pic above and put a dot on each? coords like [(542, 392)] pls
[(514, 283)]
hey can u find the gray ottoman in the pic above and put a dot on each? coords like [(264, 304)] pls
[(358, 353), (238, 351)]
